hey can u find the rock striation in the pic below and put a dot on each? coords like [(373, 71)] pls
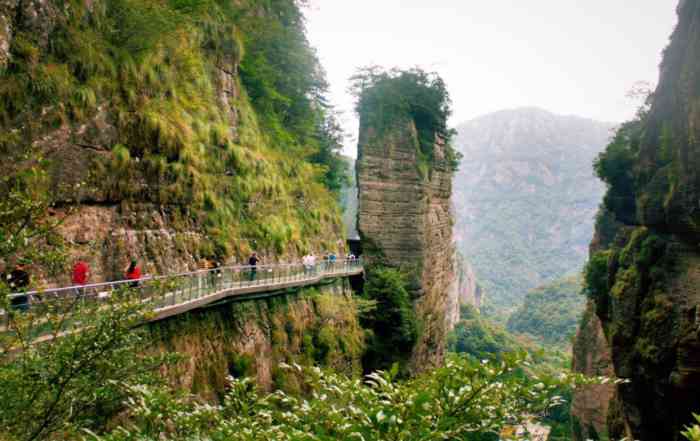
[(404, 221), (645, 262)]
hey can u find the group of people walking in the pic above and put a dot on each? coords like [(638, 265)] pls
[(18, 278)]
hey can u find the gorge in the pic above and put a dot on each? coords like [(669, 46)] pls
[(189, 134)]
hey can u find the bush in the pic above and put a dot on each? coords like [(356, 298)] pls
[(551, 312), (596, 275), (616, 167), (478, 337), (392, 321), (466, 400)]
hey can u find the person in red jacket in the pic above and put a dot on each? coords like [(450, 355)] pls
[(133, 272), (81, 273)]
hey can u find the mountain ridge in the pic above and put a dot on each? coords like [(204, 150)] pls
[(525, 174)]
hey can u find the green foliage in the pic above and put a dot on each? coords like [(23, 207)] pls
[(65, 364), (287, 87), (385, 98), (550, 313), (393, 321), (479, 337), (692, 433), (596, 275), (154, 68), (616, 167), (464, 400)]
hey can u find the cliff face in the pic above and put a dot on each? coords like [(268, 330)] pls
[(645, 263), (405, 221), (590, 405), (470, 291), (143, 117), (311, 327)]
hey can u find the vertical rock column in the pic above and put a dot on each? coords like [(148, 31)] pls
[(404, 221)]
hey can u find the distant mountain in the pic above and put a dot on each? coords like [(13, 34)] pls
[(525, 198)]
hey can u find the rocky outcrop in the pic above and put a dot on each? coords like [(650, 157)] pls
[(645, 263), (589, 409), (316, 326), (470, 292), (405, 221)]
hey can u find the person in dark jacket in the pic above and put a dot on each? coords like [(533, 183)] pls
[(253, 263), (18, 280)]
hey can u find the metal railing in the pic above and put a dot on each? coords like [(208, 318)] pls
[(186, 288)]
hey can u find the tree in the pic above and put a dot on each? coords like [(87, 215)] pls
[(386, 97), (65, 362), (392, 321)]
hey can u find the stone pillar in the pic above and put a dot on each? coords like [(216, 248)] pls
[(404, 221)]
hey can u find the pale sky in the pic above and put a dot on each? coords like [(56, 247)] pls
[(574, 57)]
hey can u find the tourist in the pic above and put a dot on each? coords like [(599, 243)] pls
[(133, 272), (312, 263), (80, 276), (18, 280), (306, 262), (215, 274), (253, 263)]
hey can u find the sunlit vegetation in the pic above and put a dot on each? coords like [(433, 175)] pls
[(692, 433), (467, 399), (186, 135)]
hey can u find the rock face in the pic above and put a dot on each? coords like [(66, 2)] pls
[(154, 150), (405, 221), (312, 327), (647, 263), (160, 157), (589, 409), (525, 198), (470, 292)]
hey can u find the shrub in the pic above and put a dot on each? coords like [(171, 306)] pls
[(393, 320)]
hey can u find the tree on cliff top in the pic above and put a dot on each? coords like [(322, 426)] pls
[(387, 96)]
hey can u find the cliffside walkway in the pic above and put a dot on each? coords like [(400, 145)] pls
[(179, 293)]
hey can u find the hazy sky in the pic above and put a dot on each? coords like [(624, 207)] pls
[(575, 57)]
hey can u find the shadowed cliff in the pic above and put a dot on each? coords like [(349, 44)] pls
[(643, 274)]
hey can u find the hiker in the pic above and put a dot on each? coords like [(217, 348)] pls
[(253, 263), (306, 262), (81, 273), (215, 274), (133, 272), (18, 280), (80, 276)]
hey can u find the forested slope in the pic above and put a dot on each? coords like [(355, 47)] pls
[(175, 130)]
